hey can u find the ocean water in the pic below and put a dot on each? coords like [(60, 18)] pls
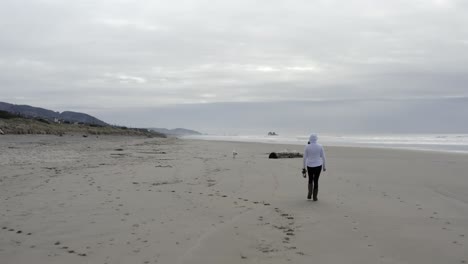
[(428, 142)]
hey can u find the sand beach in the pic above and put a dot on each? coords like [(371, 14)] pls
[(116, 199)]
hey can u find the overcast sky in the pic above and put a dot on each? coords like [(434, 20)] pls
[(292, 65)]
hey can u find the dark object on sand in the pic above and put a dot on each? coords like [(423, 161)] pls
[(273, 156), (272, 133), (85, 136), (285, 155)]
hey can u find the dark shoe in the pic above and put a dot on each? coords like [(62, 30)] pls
[(315, 194), (309, 194)]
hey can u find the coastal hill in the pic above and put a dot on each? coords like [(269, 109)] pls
[(26, 119), (28, 111), (176, 131), (18, 125)]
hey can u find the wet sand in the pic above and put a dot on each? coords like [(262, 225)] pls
[(140, 200)]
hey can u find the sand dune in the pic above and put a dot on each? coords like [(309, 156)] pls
[(140, 200)]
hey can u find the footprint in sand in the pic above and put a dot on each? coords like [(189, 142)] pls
[(70, 250)]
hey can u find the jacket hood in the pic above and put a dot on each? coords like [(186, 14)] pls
[(313, 138)]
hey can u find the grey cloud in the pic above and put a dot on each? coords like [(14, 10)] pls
[(126, 54)]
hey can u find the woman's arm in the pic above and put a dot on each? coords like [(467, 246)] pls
[(304, 161), (322, 154)]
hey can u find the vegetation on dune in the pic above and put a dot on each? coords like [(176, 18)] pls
[(12, 124)]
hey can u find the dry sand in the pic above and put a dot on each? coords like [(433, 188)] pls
[(139, 200)]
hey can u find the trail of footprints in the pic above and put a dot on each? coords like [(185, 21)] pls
[(288, 229), (22, 233)]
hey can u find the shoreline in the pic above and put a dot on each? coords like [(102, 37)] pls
[(447, 143), (338, 146), (117, 199)]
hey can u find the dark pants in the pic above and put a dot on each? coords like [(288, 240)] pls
[(314, 174)]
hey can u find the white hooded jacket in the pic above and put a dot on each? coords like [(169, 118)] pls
[(314, 155)]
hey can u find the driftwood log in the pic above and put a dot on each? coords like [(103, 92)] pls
[(285, 155)]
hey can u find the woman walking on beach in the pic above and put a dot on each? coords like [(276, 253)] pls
[(314, 161)]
